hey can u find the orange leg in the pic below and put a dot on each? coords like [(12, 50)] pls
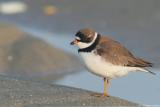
[(105, 92), (106, 85)]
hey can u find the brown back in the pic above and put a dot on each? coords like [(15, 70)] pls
[(117, 54)]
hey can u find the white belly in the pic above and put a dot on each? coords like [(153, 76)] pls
[(100, 67)]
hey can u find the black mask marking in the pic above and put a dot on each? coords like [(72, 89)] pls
[(83, 38), (93, 46)]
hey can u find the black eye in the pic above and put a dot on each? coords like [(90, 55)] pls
[(83, 38), (79, 34)]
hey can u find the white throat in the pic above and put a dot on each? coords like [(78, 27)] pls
[(82, 45)]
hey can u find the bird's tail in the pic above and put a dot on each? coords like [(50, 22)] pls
[(146, 70)]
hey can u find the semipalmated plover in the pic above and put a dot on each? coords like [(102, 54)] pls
[(106, 57)]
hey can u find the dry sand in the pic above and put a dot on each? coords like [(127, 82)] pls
[(20, 93)]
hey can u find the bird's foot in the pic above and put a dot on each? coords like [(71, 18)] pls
[(100, 95)]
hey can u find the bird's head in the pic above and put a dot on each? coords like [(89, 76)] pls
[(84, 38)]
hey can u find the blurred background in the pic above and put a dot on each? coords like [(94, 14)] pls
[(35, 37)]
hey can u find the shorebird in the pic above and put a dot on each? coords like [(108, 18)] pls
[(106, 57)]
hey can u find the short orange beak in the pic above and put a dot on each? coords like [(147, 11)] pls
[(74, 42)]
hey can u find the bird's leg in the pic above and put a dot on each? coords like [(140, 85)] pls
[(106, 85), (105, 92)]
